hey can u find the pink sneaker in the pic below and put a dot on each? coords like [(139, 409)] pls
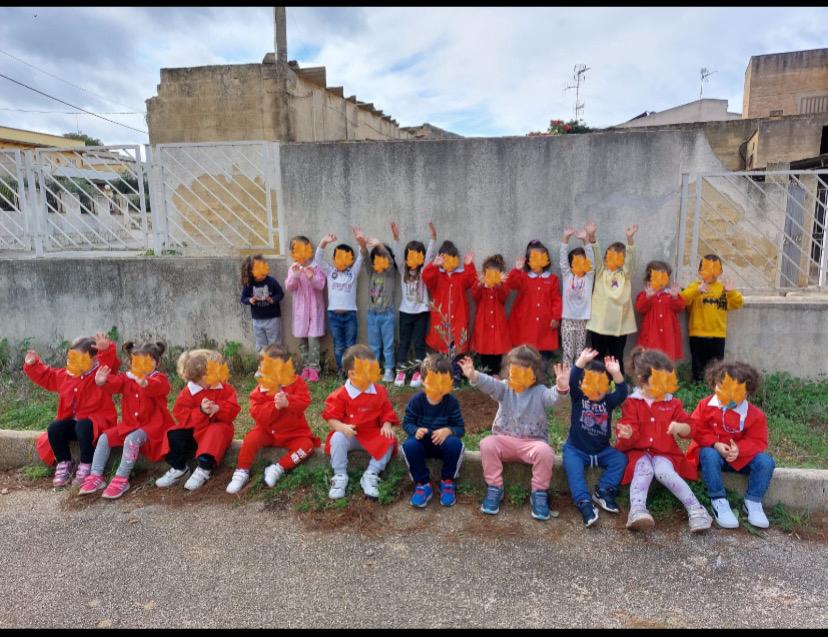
[(118, 487), (84, 469), (313, 375), (63, 473), (94, 482), (305, 373)]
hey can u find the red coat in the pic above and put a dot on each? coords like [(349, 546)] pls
[(142, 408), (491, 332), (448, 294), (537, 304), (368, 412), (287, 423), (649, 433), (717, 427), (78, 397), (212, 433), (659, 322)]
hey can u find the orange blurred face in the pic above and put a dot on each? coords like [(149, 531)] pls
[(521, 378), (730, 392), (414, 259), (216, 374), (343, 259), (301, 252), (580, 265), (77, 362), (492, 277), (450, 262), (614, 260), (659, 280), (538, 260), (381, 263), (436, 385), (260, 270), (366, 372), (142, 365), (661, 383), (710, 270), (595, 385), (275, 373)]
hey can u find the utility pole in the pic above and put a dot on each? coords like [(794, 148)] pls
[(578, 72), (280, 33), (704, 74)]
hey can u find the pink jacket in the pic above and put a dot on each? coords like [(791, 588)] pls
[(308, 301)]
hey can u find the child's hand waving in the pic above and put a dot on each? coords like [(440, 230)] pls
[(467, 366), (561, 377), (630, 232), (101, 375), (395, 231), (591, 228), (469, 258), (613, 366), (567, 234), (432, 230), (31, 357), (102, 341), (519, 263), (585, 357), (327, 240)]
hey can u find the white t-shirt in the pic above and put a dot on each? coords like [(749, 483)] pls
[(414, 298), (577, 290), (342, 286)]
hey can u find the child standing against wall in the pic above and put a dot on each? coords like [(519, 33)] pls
[(263, 294), (306, 282), (342, 276), (708, 301), (659, 306), (612, 317), (578, 278), (490, 337), (382, 317), (414, 302)]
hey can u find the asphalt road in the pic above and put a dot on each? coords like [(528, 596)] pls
[(221, 562)]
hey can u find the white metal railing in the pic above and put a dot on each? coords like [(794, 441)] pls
[(768, 227), (14, 231)]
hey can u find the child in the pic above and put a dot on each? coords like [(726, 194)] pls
[(732, 436), (708, 301), (612, 317), (144, 422), (434, 426), (578, 277), (414, 304), (536, 313), (342, 291), (381, 315), (306, 283), (277, 405), (84, 410), (520, 432), (650, 419), (263, 294), (360, 417), (590, 429), (447, 282), (490, 337), (659, 308), (204, 412)]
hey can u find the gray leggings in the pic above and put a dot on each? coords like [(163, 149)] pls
[(341, 445), (132, 444)]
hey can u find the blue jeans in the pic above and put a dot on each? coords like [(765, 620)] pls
[(612, 461), (381, 334), (759, 472), (416, 451), (343, 331)]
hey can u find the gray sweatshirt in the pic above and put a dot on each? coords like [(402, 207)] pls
[(520, 415)]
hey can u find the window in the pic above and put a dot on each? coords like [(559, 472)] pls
[(816, 104), (776, 113)]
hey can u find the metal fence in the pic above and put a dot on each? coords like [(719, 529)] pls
[(220, 198), (768, 227)]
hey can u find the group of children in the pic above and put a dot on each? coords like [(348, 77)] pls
[(726, 431)]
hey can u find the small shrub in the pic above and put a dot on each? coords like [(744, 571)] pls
[(34, 472)]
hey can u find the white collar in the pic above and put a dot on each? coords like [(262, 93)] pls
[(135, 378), (195, 387), (641, 396), (741, 409), (353, 392), (456, 270), (542, 275)]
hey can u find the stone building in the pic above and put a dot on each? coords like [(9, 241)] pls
[(792, 83)]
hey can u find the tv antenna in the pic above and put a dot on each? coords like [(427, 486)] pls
[(704, 73), (578, 72)]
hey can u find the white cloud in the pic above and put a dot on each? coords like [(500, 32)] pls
[(476, 71)]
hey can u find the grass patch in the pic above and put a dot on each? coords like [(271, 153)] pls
[(35, 472)]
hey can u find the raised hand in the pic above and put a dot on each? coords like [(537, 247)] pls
[(519, 263), (31, 357), (613, 366), (327, 240), (101, 375), (630, 232), (561, 377), (623, 431), (591, 228), (432, 230), (469, 258), (586, 356), (102, 341), (395, 231), (467, 367), (674, 290), (567, 234), (728, 285), (582, 235)]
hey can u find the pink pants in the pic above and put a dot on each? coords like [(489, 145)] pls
[(495, 450)]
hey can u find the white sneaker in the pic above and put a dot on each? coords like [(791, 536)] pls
[(416, 380), (240, 478), (388, 377), (370, 483), (171, 477), (756, 514), (399, 381), (273, 473), (698, 519), (199, 477), (338, 484), (723, 514)]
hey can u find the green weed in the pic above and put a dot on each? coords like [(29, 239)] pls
[(34, 472)]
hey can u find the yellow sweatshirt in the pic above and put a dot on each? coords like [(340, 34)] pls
[(708, 310)]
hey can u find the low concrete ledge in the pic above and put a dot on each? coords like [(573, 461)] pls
[(794, 488)]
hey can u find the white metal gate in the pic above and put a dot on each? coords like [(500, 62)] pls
[(221, 197), (14, 231), (768, 227)]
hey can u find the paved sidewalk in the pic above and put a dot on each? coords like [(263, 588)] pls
[(196, 562)]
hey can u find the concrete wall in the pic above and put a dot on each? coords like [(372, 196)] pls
[(779, 81)]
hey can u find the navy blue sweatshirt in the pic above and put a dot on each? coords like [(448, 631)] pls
[(261, 309), (591, 422), (421, 413)]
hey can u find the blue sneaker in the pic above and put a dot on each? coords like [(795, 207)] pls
[(588, 512), (491, 503), (540, 505), (606, 499), (447, 497), (422, 495)]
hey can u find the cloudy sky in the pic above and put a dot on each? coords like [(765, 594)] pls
[(476, 71)]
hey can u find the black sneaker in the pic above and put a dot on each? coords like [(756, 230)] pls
[(606, 500), (588, 512)]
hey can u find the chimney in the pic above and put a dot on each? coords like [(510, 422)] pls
[(280, 25)]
